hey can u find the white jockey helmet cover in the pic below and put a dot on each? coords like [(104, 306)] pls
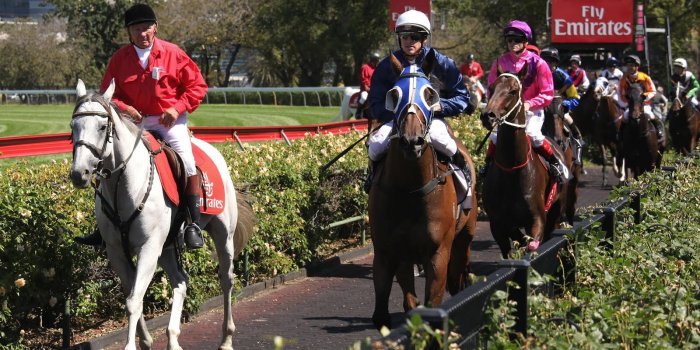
[(413, 18), (680, 62), (409, 92)]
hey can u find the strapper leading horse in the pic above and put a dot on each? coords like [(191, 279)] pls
[(130, 189), (415, 216), (517, 188)]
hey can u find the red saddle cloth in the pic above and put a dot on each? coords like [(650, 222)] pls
[(212, 193), (552, 187)]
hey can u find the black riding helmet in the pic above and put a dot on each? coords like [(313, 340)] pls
[(550, 54), (375, 56), (139, 13)]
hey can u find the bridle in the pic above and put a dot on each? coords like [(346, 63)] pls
[(503, 119), (99, 153)]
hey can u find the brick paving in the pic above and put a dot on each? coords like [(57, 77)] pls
[(332, 309)]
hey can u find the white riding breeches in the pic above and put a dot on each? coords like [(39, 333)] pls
[(177, 136), (533, 127), (646, 109), (441, 140)]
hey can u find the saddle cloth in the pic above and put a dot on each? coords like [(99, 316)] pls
[(552, 188), (212, 192)]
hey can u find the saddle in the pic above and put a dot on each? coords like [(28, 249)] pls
[(173, 178)]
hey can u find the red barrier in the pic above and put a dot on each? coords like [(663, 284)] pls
[(34, 145)]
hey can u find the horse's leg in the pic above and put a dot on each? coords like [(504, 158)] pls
[(223, 241), (122, 267), (406, 280), (500, 233), (147, 259), (178, 281), (436, 275), (457, 270), (383, 269), (605, 160)]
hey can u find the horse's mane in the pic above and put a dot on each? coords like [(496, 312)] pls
[(123, 116)]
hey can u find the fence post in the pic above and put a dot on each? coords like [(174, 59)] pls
[(519, 295), (637, 206), (609, 224), (437, 319)]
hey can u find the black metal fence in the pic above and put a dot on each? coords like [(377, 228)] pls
[(465, 314)]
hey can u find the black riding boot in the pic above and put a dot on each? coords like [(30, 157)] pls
[(370, 176), (193, 234), (659, 125), (94, 239)]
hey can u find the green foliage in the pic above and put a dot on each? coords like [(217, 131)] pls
[(642, 293)]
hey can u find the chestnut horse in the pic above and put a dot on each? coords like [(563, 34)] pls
[(599, 119), (640, 147), (553, 127), (683, 124), (415, 215), (515, 187)]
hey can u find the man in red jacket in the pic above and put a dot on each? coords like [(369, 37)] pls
[(157, 84), (365, 82)]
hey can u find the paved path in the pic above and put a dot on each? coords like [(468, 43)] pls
[(330, 310)]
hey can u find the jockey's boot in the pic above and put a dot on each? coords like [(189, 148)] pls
[(193, 234), (94, 239), (490, 152), (371, 165), (659, 125), (556, 168)]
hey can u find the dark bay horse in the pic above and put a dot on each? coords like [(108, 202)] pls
[(415, 216), (599, 119), (640, 147), (683, 124), (553, 128), (515, 187)]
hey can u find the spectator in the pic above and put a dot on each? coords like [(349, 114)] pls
[(365, 82)]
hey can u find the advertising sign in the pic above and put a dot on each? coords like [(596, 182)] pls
[(397, 7), (592, 21)]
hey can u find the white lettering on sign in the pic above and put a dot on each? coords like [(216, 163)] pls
[(562, 27), (592, 11)]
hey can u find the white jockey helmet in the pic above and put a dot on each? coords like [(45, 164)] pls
[(413, 18), (680, 62)]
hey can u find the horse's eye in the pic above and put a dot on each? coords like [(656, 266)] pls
[(103, 127), (513, 92)]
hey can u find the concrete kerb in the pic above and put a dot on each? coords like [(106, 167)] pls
[(252, 290)]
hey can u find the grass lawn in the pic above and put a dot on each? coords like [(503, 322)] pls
[(18, 120)]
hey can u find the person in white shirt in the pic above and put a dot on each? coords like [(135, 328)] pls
[(613, 75)]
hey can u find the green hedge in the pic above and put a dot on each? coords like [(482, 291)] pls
[(644, 293)]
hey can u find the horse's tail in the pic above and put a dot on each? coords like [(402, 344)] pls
[(246, 222)]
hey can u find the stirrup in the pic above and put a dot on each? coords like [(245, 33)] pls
[(193, 236)]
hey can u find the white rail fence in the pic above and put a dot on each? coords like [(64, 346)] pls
[(292, 96)]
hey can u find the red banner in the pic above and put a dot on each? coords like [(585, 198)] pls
[(592, 21), (397, 7)]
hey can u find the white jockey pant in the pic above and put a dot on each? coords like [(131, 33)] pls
[(177, 136), (646, 109), (440, 139), (533, 127)]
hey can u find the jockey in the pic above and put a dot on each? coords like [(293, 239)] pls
[(537, 92), (412, 30), (633, 75), (365, 82), (689, 86), (157, 84), (564, 87), (578, 75), (613, 75)]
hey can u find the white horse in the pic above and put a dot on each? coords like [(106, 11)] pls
[(347, 109), (111, 147)]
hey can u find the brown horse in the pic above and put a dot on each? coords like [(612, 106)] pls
[(599, 119), (516, 184), (683, 124), (640, 148), (415, 215), (553, 127)]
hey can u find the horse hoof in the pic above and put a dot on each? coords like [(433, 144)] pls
[(381, 321), (533, 245)]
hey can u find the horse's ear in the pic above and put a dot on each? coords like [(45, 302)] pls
[(80, 90), (396, 64), (110, 91), (428, 62), (522, 74)]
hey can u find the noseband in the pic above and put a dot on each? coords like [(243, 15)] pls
[(99, 153)]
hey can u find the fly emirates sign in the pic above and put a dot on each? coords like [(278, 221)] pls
[(592, 21)]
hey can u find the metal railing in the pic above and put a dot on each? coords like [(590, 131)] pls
[(464, 312), (292, 96)]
